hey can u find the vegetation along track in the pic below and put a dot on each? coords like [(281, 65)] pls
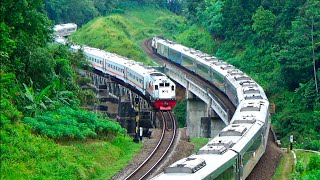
[(161, 150), (273, 153)]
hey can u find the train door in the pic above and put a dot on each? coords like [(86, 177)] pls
[(125, 79), (104, 65), (156, 90), (239, 165)]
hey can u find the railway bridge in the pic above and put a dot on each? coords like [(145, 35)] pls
[(117, 101), (207, 115)]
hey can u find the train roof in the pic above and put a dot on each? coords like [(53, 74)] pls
[(137, 67), (198, 166), (59, 27), (203, 58), (250, 111), (245, 127)]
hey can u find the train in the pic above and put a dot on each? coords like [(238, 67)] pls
[(64, 30), (234, 152), (154, 85)]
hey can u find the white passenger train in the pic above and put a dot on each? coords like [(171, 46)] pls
[(235, 151), (64, 30), (153, 84)]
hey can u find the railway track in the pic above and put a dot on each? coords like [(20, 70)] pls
[(168, 136), (214, 89), (272, 155)]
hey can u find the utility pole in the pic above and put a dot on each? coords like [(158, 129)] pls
[(136, 108)]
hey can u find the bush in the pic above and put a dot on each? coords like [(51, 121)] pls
[(66, 122), (180, 111), (300, 167), (314, 163)]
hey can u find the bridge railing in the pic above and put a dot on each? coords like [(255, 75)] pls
[(200, 90)]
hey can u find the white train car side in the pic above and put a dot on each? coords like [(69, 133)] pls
[(154, 85), (239, 146)]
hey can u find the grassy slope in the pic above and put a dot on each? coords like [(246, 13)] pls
[(28, 156), (284, 168), (199, 142), (121, 34)]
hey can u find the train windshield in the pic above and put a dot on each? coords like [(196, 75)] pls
[(156, 74)]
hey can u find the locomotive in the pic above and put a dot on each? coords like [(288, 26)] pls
[(152, 84), (234, 152)]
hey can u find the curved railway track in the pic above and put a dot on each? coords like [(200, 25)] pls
[(168, 136), (272, 155), (202, 81)]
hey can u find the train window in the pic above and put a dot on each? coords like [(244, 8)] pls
[(166, 84), (250, 153), (187, 61), (174, 55), (156, 87), (172, 88), (161, 84), (227, 174), (203, 70)]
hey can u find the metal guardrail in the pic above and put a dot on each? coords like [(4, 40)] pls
[(201, 90)]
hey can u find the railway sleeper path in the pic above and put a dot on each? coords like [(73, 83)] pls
[(162, 149)]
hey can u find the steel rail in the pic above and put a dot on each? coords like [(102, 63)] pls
[(144, 163)]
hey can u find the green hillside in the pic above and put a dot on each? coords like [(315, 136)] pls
[(122, 33), (46, 135)]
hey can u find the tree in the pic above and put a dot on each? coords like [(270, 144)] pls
[(313, 13), (79, 12), (211, 17), (35, 100), (296, 57), (175, 6), (27, 26), (263, 22), (192, 9)]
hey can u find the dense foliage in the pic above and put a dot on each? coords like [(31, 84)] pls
[(38, 87), (308, 165), (181, 112), (278, 47), (82, 11), (66, 122), (277, 44)]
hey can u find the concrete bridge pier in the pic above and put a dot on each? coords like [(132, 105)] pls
[(126, 115), (201, 120), (196, 109)]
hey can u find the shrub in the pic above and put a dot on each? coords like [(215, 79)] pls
[(314, 163), (180, 111), (300, 167), (66, 122)]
